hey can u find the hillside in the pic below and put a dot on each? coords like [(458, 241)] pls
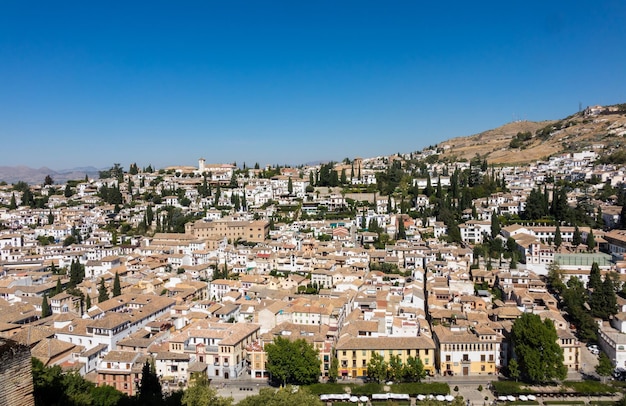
[(520, 142)]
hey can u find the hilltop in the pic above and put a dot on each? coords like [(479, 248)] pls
[(521, 142)]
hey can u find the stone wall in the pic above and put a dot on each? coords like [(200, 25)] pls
[(16, 379)]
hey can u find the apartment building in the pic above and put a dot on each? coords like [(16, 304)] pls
[(251, 231), (353, 353)]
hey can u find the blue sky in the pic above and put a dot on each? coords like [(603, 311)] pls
[(288, 82)]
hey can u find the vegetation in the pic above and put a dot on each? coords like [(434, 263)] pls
[(286, 396), (200, 393), (380, 370), (538, 353), (292, 362)]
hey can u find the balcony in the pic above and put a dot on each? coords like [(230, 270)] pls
[(466, 361)]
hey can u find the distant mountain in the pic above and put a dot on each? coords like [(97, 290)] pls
[(601, 128), (14, 174)]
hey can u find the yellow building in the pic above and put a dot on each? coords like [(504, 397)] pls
[(251, 231), (463, 350), (571, 350), (353, 353)]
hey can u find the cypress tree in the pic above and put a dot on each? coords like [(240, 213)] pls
[(88, 302), (45, 307), (495, 225), (13, 204), (150, 388), (401, 229), (117, 287), (591, 241), (558, 240), (577, 238), (103, 294)]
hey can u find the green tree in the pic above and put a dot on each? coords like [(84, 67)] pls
[(577, 238), (413, 370), (574, 301), (57, 289), (292, 362), (290, 186), (394, 368), (117, 287), (48, 388), (604, 367), (287, 396), (495, 226), (538, 353), (77, 389), (13, 202), (555, 277), (514, 371), (107, 396), (68, 190), (591, 241), (103, 293), (558, 239), (88, 302), (377, 368), (45, 307), (200, 393), (150, 392)]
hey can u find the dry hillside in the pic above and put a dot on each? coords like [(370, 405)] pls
[(602, 129)]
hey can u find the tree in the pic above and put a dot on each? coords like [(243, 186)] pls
[(13, 203), (68, 190), (514, 369), (555, 277), (88, 302), (292, 362), (149, 388), (577, 238), (591, 241), (107, 396), (377, 368), (604, 367), (287, 396), (103, 294), (401, 229), (558, 239), (45, 307), (538, 353), (413, 370), (57, 289), (290, 186), (200, 393), (495, 226), (117, 287)]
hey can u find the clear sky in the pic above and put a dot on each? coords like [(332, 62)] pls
[(287, 82)]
